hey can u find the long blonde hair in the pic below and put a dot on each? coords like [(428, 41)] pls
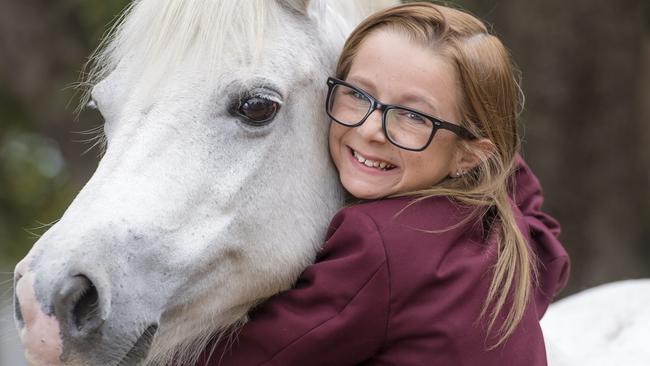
[(490, 104)]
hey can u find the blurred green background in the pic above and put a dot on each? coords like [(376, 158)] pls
[(43, 46), (586, 75)]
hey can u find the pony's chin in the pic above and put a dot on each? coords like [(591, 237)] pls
[(42, 359), (43, 345), (42, 351)]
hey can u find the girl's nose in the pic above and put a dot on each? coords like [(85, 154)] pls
[(371, 129)]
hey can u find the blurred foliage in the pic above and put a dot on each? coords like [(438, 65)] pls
[(94, 16), (35, 179), (33, 183)]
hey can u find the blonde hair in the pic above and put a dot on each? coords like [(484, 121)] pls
[(490, 103)]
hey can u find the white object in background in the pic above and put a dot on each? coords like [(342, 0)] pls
[(602, 326)]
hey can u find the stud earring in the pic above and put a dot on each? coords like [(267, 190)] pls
[(459, 173)]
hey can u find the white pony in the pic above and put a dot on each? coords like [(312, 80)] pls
[(215, 188)]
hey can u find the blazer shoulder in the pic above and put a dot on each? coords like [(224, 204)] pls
[(435, 229), (413, 215), (406, 209)]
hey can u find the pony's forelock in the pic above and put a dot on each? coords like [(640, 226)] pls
[(160, 35)]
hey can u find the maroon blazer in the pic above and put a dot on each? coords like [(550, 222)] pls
[(400, 284)]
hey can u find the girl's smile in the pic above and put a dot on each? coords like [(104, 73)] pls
[(371, 164)]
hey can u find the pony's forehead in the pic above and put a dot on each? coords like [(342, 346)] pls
[(126, 88), (183, 45)]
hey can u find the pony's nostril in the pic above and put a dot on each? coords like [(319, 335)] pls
[(77, 306), (86, 309)]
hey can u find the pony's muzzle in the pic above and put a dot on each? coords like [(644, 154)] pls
[(77, 306)]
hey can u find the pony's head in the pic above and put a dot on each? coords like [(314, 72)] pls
[(215, 188)]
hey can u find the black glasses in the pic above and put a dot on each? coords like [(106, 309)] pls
[(404, 127)]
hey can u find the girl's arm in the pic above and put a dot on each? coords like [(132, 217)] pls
[(544, 232), (340, 304)]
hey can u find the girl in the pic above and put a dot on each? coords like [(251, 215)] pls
[(446, 262)]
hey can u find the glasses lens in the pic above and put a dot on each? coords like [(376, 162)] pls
[(347, 106), (408, 129)]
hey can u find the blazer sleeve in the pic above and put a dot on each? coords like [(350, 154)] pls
[(339, 305), (553, 259)]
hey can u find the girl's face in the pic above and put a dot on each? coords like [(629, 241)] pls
[(395, 70)]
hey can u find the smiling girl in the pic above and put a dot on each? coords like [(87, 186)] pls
[(448, 260)]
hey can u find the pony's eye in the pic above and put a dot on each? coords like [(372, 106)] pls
[(258, 110), (92, 104)]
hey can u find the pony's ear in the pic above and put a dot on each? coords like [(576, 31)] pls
[(310, 8)]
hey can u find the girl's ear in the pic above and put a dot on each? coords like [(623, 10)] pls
[(471, 154)]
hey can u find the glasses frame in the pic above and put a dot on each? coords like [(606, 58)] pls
[(383, 108)]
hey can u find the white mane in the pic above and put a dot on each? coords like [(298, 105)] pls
[(161, 33)]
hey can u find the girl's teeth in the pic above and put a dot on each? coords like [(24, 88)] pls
[(371, 163)]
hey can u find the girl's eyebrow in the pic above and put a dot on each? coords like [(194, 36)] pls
[(430, 103), (362, 82), (406, 99)]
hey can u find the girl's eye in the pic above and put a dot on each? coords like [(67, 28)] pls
[(413, 117), (356, 95), (258, 110)]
